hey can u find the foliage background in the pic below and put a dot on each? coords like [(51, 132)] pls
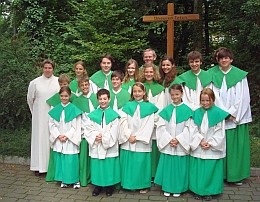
[(71, 30)]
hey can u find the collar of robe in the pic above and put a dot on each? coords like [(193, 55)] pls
[(71, 112), (155, 88), (183, 112), (109, 114), (146, 108), (233, 76), (215, 115)]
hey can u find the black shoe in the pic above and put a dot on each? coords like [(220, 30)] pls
[(36, 173), (109, 190), (96, 191), (197, 197)]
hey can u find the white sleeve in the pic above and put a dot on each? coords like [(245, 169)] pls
[(163, 138), (110, 137), (31, 95)]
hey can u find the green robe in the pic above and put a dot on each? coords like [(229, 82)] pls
[(189, 79), (99, 79), (122, 97)]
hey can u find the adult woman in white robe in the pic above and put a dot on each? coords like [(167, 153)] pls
[(39, 90)]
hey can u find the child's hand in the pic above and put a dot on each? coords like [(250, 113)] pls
[(98, 138), (132, 139), (204, 144), (61, 138), (174, 143)]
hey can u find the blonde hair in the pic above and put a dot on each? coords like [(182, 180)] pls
[(156, 76)]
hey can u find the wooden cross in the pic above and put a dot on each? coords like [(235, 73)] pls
[(170, 18)]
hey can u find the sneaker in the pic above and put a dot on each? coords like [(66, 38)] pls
[(143, 191), (166, 194), (176, 195), (76, 185), (62, 185), (238, 183)]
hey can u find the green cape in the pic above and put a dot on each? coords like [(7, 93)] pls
[(110, 115), (71, 112), (54, 100), (155, 87), (74, 86), (215, 115), (99, 79), (189, 79), (183, 112), (122, 97), (234, 76), (146, 108), (82, 102)]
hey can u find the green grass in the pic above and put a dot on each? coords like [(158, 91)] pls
[(17, 143)]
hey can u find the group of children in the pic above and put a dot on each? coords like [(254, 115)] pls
[(183, 133)]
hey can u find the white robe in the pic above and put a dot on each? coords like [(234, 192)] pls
[(39, 90), (109, 146), (166, 131), (235, 101), (192, 97), (159, 102), (71, 129), (214, 135), (141, 128)]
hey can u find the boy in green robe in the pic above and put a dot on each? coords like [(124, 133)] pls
[(101, 132), (193, 80), (87, 102), (119, 96)]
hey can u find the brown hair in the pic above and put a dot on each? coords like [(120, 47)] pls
[(193, 55), (224, 52), (83, 79), (109, 57), (65, 89), (47, 61), (136, 75), (169, 77), (63, 78), (209, 92), (176, 87), (118, 73), (156, 76), (140, 85), (103, 91)]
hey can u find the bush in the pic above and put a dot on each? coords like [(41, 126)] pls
[(16, 71)]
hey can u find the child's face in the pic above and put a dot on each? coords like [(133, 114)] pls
[(84, 87), (195, 65), (63, 83), (106, 65), (167, 66), (138, 93), (103, 101), (176, 96), (148, 57), (205, 101), (148, 74), (47, 70), (225, 62), (64, 97), (131, 69), (79, 70), (116, 82)]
